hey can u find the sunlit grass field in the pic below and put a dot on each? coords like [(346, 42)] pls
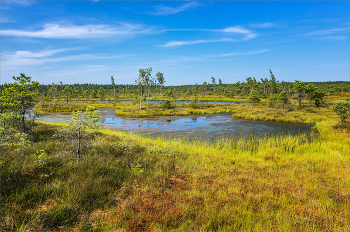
[(297, 115), (130, 182)]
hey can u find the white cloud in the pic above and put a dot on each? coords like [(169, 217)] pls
[(29, 54), (334, 37), (6, 20), (181, 43), (184, 59), (19, 59), (248, 35), (165, 10), (24, 3), (328, 31), (262, 25), (240, 30), (57, 31), (243, 53), (334, 34)]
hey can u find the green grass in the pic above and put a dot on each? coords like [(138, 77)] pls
[(63, 107), (290, 183), (133, 109), (297, 115)]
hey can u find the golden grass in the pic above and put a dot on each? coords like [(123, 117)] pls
[(280, 183), (133, 110), (297, 115)]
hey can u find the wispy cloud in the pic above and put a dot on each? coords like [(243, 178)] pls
[(236, 30), (334, 34), (334, 37), (239, 30), (323, 20), (328, 31), (185, 59), (59, 31), (263, 25), (29, 54), (243, 53), (181, 43), (6, 20), (166, 10), (23, 3), (19, 59)]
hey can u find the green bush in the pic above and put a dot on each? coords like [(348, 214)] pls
[(343, 110), (167, 104)]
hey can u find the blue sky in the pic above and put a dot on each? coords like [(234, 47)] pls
[(189, 42)]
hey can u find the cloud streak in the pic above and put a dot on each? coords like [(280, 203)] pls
[(181, 59), (263, 25), (57, 31), (182, 43), (19, 59), (6, 20), (334, 34), (166, 10), (328, 31), (22, 3), (237, 30)]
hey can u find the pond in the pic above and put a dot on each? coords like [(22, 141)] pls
[(204, 127)]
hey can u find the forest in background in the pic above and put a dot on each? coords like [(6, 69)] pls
[(211, 89)]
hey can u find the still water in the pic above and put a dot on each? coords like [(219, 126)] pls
[(204, 127)]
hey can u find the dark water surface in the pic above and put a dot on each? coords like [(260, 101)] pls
[(208, 127)]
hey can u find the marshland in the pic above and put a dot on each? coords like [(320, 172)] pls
[(253, 155), (174, 116)]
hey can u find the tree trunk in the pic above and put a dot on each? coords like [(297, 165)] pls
[(140, 98), (148, 97), (160, 94), (23, 113), (78, 151)]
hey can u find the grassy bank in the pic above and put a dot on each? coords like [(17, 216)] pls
[(63, 107), (277, 183), (328, 99), (133, 109), (297, 115)]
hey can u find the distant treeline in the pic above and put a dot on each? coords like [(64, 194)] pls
[(264, 88)]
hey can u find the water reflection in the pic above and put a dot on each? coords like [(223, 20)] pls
[(194, 119), (208, 127)]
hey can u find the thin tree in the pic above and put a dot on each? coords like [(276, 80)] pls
[(161, 81), (77, 127), (114, 94), (273, 83), (148, 80), (213, 81), (140, 82)]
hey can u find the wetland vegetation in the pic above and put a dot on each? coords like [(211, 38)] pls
[(132, 182)]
